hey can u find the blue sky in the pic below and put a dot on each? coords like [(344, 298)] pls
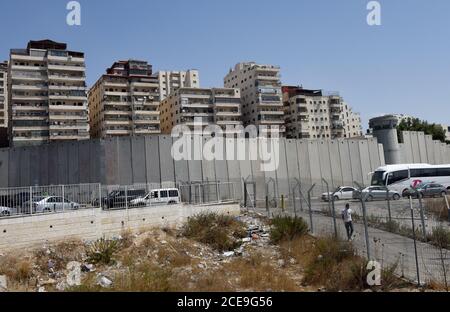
[(402, 66)]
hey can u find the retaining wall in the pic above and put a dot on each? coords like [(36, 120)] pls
[(91, 224)]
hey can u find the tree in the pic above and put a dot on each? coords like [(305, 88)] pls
[(415, 124)]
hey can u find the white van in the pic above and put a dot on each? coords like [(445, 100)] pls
[(167, 196)]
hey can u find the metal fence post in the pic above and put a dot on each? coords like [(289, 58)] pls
[(366, 228), (126, 197), (422, 217), (334, 217), (62, 195), (448, 207), (217, 191), (100, 199), (414, 239), (389, 204), (310, 208), (31, 200)]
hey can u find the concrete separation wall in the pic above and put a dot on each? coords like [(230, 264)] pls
[(90, 224)]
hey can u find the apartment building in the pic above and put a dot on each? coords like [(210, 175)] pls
[(170, 81), (125, 101), (187, 106), (261, 94), (312, 114), (47, 94), (4, 104)]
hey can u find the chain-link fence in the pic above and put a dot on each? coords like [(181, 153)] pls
[(411, 233), (33, 200), (47, 199), (207, 192)]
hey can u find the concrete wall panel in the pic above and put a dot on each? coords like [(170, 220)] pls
[(153, 168), (325, 163), (365, 161), (344, 153), (282, 171), (304, 165), (53, 164), (138, 160), (43, 165), (314, 166), (35, 156), (4, 167), (125, 170), (110, 161), (407, 148), (234, 171), (208, 170), (74, 173), (374, 154), (292, 162), (84, 158), (63, 163), (415, 147), (437, 152), (165, 159), (335, 160), (422, 147), (355, 161), (430, 149)]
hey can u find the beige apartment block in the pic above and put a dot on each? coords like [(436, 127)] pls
[(170, 81), (125, 101), (311, 114), (188, 106), (4, 95), (47, 94), (261, 94), (4, 104)]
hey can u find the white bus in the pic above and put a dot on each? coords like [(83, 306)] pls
[(400, 177)]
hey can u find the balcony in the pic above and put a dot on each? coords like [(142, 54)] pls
[(57, 77), (67, 88), (279, 113), (67, 59), (29, 87), (29, 98), (67, 108), (66, 68)]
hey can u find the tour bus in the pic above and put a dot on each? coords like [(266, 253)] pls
[(400, 177)]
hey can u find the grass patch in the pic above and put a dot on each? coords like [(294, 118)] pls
[(221, 232), (102, 251), (287, 228), (335, 265), (437, 207)]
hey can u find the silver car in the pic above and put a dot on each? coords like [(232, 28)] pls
[(376, 193), (53, 204)]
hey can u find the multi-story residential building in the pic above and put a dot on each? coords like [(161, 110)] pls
[(446, 132), (312, 114), (170, 81), (47, 94), (190, 106), (125, 101), (3, 104), (261, 94)]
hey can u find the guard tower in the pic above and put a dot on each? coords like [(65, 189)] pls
[(384, 128)]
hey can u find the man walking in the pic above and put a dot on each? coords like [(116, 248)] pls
[(347, 217)]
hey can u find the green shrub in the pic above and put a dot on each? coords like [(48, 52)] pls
[(440, 237), (287, 228), (221, 232), (102, 251)]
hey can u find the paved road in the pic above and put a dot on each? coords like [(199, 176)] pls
[(389, 249)]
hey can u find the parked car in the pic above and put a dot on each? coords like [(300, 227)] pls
[(120, 198), (342, 192), (427, 189), (52, 204), (5, 211), (159, 196), (376, 193)]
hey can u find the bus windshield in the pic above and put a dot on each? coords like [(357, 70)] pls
[(379, 178)]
